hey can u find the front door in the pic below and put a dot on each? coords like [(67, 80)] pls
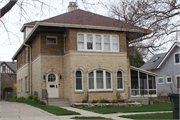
[(52, 86)]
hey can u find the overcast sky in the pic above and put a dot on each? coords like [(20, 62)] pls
[(15, 19)]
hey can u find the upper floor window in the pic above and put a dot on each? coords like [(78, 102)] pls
[(160, 80), (51, 40), (99, 80), (78, 81), (98, 42), (177, 58), (3, 68)]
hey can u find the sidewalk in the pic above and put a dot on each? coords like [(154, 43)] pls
[(21, 111)]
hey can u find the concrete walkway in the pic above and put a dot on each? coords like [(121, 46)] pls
[(20, 111)]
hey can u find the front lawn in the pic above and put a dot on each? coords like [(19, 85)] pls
[(144, 108), (150, 116), (89, 118), (51, 109)]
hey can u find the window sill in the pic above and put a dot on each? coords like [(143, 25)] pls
[(120, 90), (100, 91), (79, 92)]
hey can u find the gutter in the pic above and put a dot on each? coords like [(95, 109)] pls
[(30, 69)]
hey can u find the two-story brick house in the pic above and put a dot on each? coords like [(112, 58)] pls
[(73, 53)]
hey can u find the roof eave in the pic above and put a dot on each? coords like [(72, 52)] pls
[(23, 27), (142, 70)]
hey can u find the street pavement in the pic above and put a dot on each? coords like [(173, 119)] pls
[(21, 111)]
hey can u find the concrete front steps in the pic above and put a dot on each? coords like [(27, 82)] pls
[(58, 102)]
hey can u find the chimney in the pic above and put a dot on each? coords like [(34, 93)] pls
[(72, 6)]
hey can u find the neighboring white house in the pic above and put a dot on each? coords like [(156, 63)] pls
[(167, 66)]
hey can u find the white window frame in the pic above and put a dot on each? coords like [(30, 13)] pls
[(175, 58), (117, 80), (94, 42), (26, 84), (160, 78), (104, 81), (167, 78), (81, 81), (51, 43)]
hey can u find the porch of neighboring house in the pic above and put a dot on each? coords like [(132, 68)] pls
[(143, 85)]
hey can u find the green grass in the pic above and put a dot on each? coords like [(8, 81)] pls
[(144, 108), (51, 109), (83, 117), (150, 116)]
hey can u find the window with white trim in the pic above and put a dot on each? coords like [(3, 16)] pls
[(97, 42), (177, 58), (99, 80), (120, 80), (51, 40), (160, 80), (78, 81), (169, 79)]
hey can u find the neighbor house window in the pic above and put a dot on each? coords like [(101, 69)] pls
[(160, 80), (78, 82), (119, 80), (99, 80), (178, 81), (97, 42), (51, 40), (51, 78), (3, 68), (26, 84), (169, 79), (177, 58)]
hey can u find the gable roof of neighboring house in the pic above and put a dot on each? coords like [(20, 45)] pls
[(11, 65), (84, 20), (157, 60)]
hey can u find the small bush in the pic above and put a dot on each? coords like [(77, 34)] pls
[(6, 88), (130, 101), (41, 103), (30, 97), (21, 98), (120, 100), (104, 101), (95, 101), (84, 101), (113, 101), (35, 98), (15, 97)]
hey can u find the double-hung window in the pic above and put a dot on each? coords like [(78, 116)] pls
[(99, 80), (120, 81), (78, 81), (97, 42)]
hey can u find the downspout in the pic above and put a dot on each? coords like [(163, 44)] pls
[(30, 69)]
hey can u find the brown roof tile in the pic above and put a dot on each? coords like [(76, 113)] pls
[(81, 17)]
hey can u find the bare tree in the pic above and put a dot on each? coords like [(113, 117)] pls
[(159, 16)]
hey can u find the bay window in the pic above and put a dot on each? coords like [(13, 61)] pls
[(99, 80), (97, 42)]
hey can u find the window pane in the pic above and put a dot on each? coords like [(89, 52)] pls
[(115, 39), (108, 80), (98, 42), (99, 74), (51, 78), (78, 74), (169, 79), (80, 37), (178, 80), (152, 82), (99, 83), (91, 83), (177, 58), (115, 46), (119, 74), (119, 83), (106, 39), (89, 38), (106, 46), (51, 40), (80, 45), (160, 80), (98, 46), (108, 74), (89, 45), (78, 84), (143, 80), (134, 79), (91, 74)]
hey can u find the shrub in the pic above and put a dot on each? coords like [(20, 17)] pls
[(42, 103), (84, 101), (30, 97), (35, 98), (113, 101), (6, 88), (21, 98), (15, 97), (95, 101), (130, 101), (104, 101), (120, 100)]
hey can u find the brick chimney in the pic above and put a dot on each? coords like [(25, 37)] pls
[(72, 6)]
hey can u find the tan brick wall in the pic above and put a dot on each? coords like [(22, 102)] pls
[(35, 49)]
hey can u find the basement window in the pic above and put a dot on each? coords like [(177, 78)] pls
[(51, 40)]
